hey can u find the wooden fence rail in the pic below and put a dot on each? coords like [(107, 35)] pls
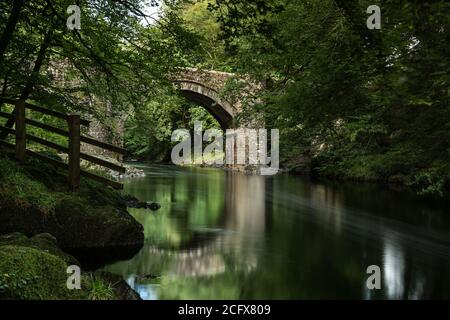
[(74, 123)]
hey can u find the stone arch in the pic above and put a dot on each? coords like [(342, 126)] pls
[(203, 87), (208, 98)]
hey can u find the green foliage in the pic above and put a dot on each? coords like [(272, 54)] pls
[(6, 284), (41, 186), (118, 61), (16, 185), (99, 289), (339, 93), (210, 50), (148, 132), (363, 104)]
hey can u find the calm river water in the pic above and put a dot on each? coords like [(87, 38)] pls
[(222, 235)]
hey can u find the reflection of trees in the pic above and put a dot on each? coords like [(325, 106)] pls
[(244, 222), (179, 241), (236, 236), (189, 198), (321, 247), (219, 263), (306, 260)]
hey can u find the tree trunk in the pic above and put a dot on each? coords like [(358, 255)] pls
[(10, 27), (33, 77), (37, 66)]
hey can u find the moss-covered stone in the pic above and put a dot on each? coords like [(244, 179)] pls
[(36, 269), (28, 273), (44, 242), (34, 199)]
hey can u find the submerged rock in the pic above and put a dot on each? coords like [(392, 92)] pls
[(133, 202), (153, 206)]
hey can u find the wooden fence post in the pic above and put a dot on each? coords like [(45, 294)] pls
[(73, 121), (21, 142)]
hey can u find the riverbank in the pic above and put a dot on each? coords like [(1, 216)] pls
[(35, 198), (92, 224), (424, 177), (432, 181)]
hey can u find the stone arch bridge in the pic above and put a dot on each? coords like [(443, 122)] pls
[(204, 88)]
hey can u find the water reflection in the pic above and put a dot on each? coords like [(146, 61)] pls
[(225, 235), (393, 269)]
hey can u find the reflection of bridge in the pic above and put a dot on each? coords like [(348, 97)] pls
[(204, 87), (206, 260), (243, 225)]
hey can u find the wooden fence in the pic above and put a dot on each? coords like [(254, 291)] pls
[(73, 133)]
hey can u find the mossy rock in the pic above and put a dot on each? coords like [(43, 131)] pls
[(36, 269), (35, 199), (31, 274), (44, 242), (103, 226)]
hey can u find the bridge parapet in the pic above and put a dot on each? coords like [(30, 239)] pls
[(215, 80)]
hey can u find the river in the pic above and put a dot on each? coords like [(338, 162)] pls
[(223, 235)]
